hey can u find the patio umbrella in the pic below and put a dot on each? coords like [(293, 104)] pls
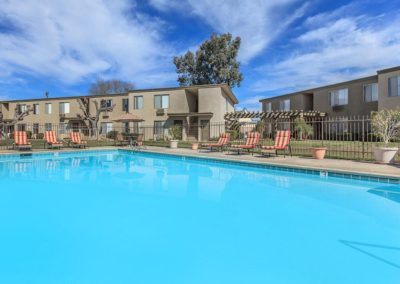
[(128, 117)]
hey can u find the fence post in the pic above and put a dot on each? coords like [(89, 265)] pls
[(363, 137)]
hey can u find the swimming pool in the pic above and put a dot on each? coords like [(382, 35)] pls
[(124, 217)]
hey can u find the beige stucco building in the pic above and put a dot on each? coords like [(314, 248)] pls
[(350, 98), (196, 108)]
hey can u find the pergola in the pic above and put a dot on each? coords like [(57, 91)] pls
[(232, 119)]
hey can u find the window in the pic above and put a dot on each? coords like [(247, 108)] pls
[(48, 108), (35, 108), (106, 103), (64, 108), (138, 102), (284, 105), (394, 86), (137, 127), (21, 127), (339, 97), (48, 127), (106, 127), (158, 127), (35, 129), (21, 108), (371, 92), (161, 101), (268, 106), (125, 105), (63, 128)]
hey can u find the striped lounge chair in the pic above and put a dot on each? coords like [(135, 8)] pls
[(76, 140), (282, 143), (252, 142), (51, 140), (223, 141), (21, 141)]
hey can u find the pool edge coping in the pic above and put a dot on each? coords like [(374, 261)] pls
[(336, 172)]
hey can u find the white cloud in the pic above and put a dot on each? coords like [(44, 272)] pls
[(76, 39), (258, 23), (339, 50)]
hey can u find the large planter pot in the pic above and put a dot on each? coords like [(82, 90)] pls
[(195, 146), (318, 152), (173, 144), (385, 155)]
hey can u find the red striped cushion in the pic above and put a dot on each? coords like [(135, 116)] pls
[(282, 139)]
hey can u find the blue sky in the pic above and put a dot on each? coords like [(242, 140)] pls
[(63, 46)]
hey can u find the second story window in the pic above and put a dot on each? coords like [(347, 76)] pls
[(106, 103), (138, 102), (64, 108), (339, 97), (371, 92), (48, 108), (35, 108), (21, 108), (394, 86), (284, 105), (125, 105), (268, 107), (161, 101)]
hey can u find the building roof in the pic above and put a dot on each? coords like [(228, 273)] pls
[(227, 90), (335, 84)]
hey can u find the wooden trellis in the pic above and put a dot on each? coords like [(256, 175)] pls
[(232, 119)]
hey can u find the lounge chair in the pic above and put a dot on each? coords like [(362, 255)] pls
[(252, 142), (282, 143), (223, 141), (76, 140), (51, 140), (21, 141), (137, 142), (121, 140)]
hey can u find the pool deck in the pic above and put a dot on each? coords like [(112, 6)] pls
[(341, 166)]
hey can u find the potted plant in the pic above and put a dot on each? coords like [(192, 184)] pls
[(195, 146), (386, 125), (318, 152), (176, 132)]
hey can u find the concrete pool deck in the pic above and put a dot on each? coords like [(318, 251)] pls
[(343, 166)]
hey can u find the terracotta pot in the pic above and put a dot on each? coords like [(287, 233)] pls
[(385, 155), (319, 152), (195, 146), (173, 144)]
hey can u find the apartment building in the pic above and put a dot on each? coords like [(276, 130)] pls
[(199, 106), (355, 97)]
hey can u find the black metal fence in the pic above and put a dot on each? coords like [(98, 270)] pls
[(345, 137)]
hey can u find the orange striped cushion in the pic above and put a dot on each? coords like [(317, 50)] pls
[(20, 138), (75, 137), (253, 138), (282, 139)]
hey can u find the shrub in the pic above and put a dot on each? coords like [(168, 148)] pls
[(29, 134), (176, 132), (386, 124), (303, 130), (112, 134), (40, 136)]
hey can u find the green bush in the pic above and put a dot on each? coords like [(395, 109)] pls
[(29, 134), (112, 134), (40, 136)]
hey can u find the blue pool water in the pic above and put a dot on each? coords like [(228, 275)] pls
[(115, 217)]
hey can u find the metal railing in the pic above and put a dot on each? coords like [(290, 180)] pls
[(345, 137)]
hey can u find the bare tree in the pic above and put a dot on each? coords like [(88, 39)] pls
[(109, 87), (18, 116), (93, 119)]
